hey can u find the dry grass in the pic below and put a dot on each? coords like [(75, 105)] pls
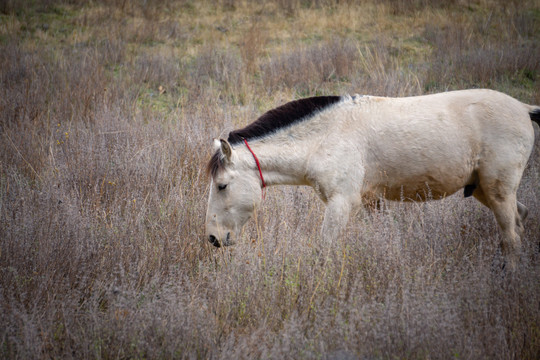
[(107, 111)]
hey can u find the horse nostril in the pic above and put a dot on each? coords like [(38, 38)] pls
[(214, 241)]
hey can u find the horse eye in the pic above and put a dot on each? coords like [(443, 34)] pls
[(222, 187)]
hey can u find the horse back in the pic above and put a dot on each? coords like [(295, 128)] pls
[(432, 145)]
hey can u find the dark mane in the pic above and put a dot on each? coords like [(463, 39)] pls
[(272, 121), (281, 117)]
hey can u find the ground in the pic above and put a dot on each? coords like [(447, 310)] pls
[(107, 114)]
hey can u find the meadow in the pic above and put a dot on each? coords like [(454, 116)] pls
[(107, 114)]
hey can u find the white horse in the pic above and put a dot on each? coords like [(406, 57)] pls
[(356, 150)]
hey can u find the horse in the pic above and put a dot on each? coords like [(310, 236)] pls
[(356, 150)]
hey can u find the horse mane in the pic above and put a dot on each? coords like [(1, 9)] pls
[(281, 117), (272, 121)]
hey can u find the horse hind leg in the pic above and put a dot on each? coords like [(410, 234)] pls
[(506, 210), (480, 196), (509, 213), (521, 215), (522, 210)]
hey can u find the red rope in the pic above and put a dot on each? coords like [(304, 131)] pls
[(258, 165)]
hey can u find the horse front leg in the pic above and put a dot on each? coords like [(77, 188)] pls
[(336, 216)]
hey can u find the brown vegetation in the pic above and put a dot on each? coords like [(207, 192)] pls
[(107, 114)]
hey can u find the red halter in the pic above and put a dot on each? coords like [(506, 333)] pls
[(258, 167)]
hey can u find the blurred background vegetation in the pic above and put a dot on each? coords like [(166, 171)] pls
[(107, 114)]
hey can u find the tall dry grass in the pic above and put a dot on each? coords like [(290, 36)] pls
[(107, 111)]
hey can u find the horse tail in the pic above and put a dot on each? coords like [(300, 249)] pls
[(534, 113)]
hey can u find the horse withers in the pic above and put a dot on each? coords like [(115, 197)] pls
[(354, 150)]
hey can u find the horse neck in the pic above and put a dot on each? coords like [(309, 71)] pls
[(281, 163)]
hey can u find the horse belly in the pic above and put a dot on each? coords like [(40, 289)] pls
[(421, 188), (416, 174)]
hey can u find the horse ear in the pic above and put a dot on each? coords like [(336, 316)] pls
[(226, 149)]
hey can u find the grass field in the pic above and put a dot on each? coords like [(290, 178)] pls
[(107, 114)]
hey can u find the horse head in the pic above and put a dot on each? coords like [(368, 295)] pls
[(235, 193)]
